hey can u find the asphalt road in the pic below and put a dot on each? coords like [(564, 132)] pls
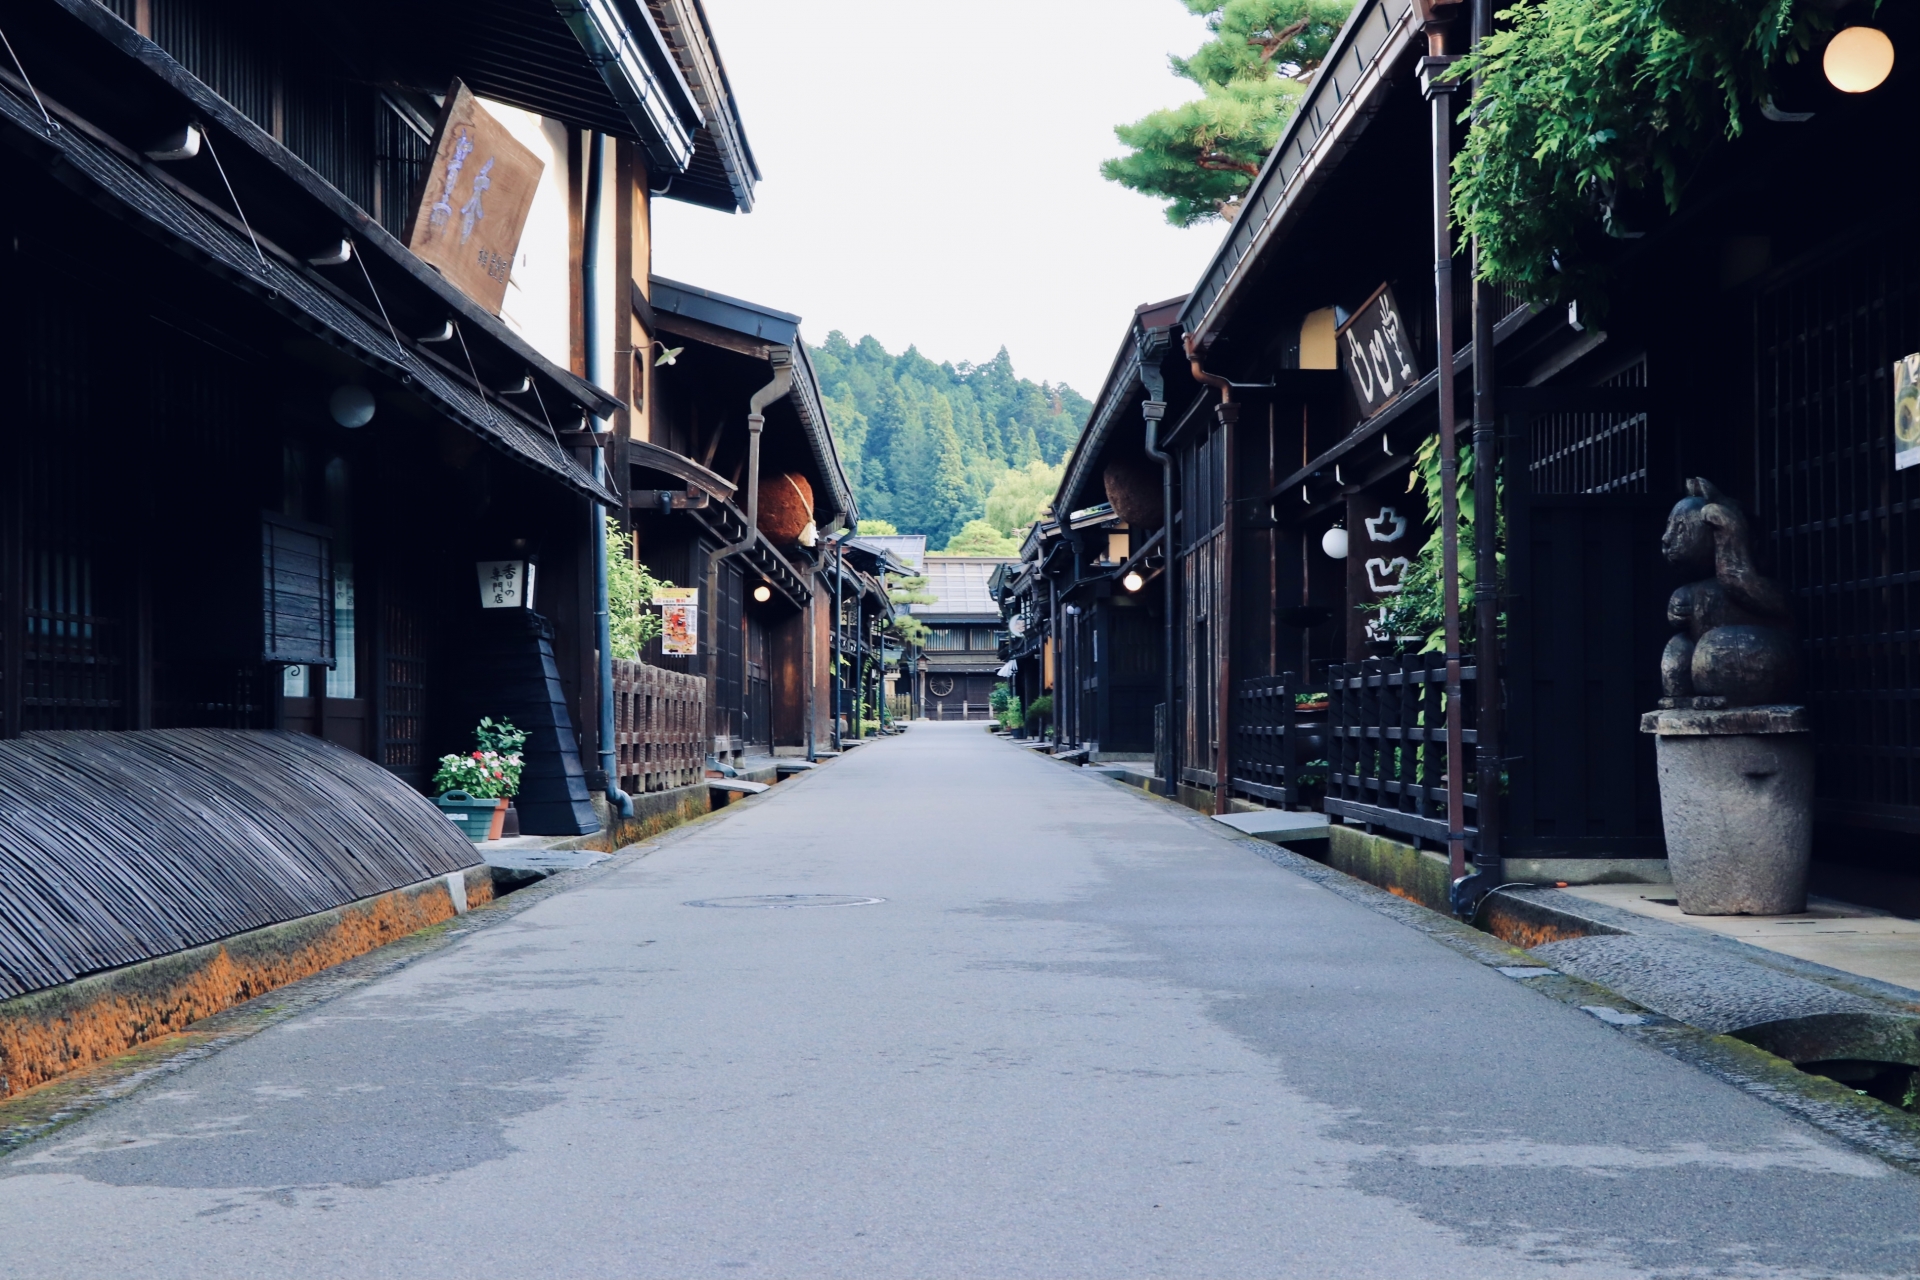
[(1081, 1036)]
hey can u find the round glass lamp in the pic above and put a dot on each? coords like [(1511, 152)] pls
[(1858, 59)]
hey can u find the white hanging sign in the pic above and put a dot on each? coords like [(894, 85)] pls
[(506, 584)]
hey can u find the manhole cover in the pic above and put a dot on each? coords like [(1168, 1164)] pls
[(774, 901)]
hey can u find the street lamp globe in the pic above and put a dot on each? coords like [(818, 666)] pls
[(1858, 59), (1334, 542), (1133, 581), (763, 593)]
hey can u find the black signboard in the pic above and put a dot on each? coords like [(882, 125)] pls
[(1377, 353)]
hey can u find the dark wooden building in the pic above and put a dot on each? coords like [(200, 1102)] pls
[(1750, 339), (766, 587), (318, 443)]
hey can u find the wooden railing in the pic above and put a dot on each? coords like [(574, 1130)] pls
[(1387, 745), (658, 719), (1277, 748)]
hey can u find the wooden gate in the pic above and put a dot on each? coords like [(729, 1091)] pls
[(1587, 492)]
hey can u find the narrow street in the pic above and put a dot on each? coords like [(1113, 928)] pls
[(1081, 1035)]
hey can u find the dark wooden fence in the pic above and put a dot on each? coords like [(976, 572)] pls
[(1277, 749), (1387, 745), (658, 725)]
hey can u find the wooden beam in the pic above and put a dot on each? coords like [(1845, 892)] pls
[(712, 335)]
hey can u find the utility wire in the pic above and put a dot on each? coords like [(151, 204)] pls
[(542, 402), (24, 79), (207, 137), (368, 276)]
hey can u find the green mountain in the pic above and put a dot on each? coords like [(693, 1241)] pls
[(924, 443)]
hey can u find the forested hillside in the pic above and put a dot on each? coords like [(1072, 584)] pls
[(925, 443)]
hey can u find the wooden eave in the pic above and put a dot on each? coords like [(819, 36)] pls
[(251, 155)]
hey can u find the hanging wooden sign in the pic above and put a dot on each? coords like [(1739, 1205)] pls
[(480, 184), (1377, 353)]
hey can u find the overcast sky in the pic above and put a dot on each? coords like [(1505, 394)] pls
[(932, 175)]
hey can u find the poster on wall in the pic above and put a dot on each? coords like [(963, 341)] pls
[(480, 184), (1906, 412), (680, 620)]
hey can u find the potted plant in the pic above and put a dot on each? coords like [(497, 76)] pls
[(481, 782)]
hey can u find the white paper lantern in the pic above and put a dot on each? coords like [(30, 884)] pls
[(1334, 542)]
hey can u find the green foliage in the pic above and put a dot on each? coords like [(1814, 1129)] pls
[(630, 616), (1040, 710), (1004, 704), (905, 590), (1202, 155), (490, 772), (980, 538), (924, 444), (877, 529), (1417, 615), (1021, 495), (1589, 108)]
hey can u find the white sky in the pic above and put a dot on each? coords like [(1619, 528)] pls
[(932, 175)]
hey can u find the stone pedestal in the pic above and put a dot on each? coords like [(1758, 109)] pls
[(1736, 797)]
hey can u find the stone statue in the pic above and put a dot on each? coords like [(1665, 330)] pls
[(1736, 646)]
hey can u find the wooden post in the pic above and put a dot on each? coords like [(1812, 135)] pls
[(1228, 413), (1439, 91)]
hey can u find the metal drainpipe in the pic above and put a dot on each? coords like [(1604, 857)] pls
[(621, 802), (1228, 414), (1154, 411), (812, 650), (1439, 91), (782, 361), (1058, 647), (835, 648), (1467, 893)]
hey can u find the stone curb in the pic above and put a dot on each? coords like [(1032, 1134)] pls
[(1861, 1122)]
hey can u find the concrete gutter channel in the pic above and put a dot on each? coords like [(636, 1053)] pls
[(1836, 1049), (517, 874)]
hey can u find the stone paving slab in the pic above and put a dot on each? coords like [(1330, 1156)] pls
[(1840, 935), (1714, 992)]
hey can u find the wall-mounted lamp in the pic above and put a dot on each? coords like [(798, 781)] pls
[(183, 144), (668, 355), (1133, 581), (763, 593), (351, 405), (1858, 59), (1334, 542)]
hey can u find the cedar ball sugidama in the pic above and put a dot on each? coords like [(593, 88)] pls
[(786, 509)]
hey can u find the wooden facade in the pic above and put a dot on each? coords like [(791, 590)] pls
[(766, 591), (200, 311), (1750, 340)]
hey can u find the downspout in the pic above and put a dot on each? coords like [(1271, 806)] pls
[(813, 652), (835, 648), (1155, 411), (1228, 413), (1439, 90), (1466, 893), (619, 801), (781, 358)]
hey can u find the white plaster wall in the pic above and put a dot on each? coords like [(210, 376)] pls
[(537, 305)]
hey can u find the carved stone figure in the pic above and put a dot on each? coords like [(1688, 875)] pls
[(1735, 647)]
